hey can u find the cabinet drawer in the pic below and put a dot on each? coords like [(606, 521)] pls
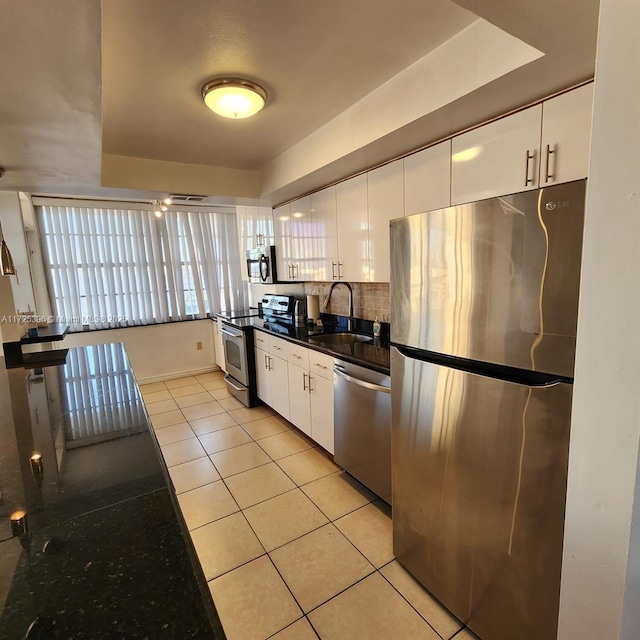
[(278, 347), (298, 355), (321, 364), (261, 340)]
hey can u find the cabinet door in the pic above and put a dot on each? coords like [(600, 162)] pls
[(218, 346), (353, 229), (278, 385), (262, 375), (385, 187), (427, 179), (282, 233), (324, 233), (264, 225), (566, 136), (302, 258), (496, 159), (243, 239), (300, 407), (321, 396)]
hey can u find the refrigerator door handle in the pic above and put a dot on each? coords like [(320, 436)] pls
[(487, 369)]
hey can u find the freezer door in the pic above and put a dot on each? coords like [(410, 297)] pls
[(495, 281), (479, 468)]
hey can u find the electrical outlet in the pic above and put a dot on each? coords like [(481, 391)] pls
[(199, 346)]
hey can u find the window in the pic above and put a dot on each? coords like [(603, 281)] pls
[(114, 267)]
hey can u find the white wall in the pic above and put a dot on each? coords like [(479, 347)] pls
[(600, 594), (21, 286), (159, 351)]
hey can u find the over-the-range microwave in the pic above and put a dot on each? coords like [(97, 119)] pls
[(261, 265)]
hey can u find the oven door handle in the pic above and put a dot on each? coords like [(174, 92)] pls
[(230, 332), (228, 379)]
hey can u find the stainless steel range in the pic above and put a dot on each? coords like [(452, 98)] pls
[(237, 339), (238, 354)]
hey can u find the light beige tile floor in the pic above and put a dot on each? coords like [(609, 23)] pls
[(292, 546)]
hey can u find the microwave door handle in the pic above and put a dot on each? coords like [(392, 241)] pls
[(263, 267)]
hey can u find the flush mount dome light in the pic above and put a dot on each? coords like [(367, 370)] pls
[(233, 97)]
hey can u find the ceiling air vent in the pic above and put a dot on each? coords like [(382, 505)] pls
[(183, 197)]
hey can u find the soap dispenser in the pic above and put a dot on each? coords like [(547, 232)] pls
[(376, 328)]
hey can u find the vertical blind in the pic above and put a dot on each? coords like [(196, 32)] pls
[(125, 267)]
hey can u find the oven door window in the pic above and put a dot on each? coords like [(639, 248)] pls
[(233, 354)]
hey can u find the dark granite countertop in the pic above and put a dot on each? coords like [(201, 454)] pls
[(103, 552), (373, 355)]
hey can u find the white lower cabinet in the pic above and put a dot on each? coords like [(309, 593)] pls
[(321, 398), (298, 383), (272, 386), (262, 375), (311, 404), (299, 402), (218, 346), (278, 387)]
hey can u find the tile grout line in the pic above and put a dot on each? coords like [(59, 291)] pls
[(266, 553)]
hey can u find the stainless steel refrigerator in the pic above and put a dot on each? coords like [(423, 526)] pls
[(484, 300)]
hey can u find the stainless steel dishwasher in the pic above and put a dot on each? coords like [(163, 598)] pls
[(363, 426)]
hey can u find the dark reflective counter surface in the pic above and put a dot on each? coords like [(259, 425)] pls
[(91, 543), (373, 355)]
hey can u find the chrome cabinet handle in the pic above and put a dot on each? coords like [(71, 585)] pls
[(527, 179), (270, 367), (295, 355), (340, 276), (310, 378), (304, 382), (333, 270), (317, 364), (295, 271), (549, 151), (277, 348)]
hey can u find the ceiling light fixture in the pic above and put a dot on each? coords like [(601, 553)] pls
[(234, 97)]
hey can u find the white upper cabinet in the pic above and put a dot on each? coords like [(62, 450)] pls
[(255, 229), (324, 235), (282, 232), (353, 230), (385, 188), (499, 158), (566, 134), (302, 241), (427, 179)]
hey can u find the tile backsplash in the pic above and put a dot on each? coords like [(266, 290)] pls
[(370, 300)]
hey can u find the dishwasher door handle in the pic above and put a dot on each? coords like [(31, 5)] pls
[(361, 383)]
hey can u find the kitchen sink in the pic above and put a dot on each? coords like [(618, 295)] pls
[(340, 338)]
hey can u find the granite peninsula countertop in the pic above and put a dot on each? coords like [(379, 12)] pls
[(103, 552)]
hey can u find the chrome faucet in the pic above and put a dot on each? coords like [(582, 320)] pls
[(325, 304)]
